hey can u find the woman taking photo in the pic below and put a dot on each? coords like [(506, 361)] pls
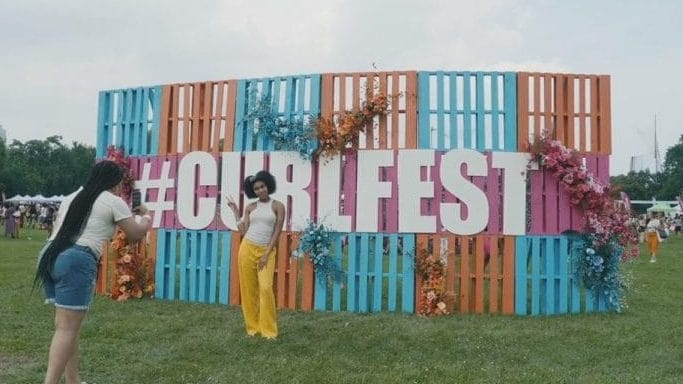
[(67, 267), (261, 226)]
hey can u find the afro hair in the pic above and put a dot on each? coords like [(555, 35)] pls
[(265, 177)]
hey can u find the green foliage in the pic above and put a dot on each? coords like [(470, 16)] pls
[(44, 166), (3, 161), (151, 341), (673, 169), (666, 185), (638, 185)]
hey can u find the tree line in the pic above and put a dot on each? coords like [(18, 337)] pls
[(48, 166), (665, 185)]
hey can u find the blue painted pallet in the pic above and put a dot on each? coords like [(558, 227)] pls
[(474, 110), (193, 266), (129, 118), (379, 268), (292, 97), (545, 278)]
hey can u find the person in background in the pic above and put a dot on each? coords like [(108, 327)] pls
[(67, 266), (652, 230), (10, 220), (3, 211), (642, 222), (261, 226), (31, 216), (49, 220), (42, 214), (22, 215), (16, 214)]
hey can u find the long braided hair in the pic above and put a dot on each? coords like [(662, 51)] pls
[(105, 175)]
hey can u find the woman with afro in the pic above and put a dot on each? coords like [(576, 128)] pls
[(261, 225)]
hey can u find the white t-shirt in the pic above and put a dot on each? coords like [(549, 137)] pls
[(106, 211), (653, 224)]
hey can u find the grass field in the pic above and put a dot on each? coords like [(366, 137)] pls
[(170, 342)]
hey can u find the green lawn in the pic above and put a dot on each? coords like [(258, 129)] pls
[(171, 342)]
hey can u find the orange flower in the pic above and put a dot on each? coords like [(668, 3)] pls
[(137, 293), (127, 258), (124, 279), (150, 288), (123, 297)]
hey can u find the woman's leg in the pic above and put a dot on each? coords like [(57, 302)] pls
[(248, 259), (267, 309), (71, 372), (652, 243), (74, 274), (64, 346)]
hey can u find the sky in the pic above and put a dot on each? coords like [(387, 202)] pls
[(57, 55)]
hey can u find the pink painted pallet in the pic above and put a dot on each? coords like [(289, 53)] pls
[(549, 208)]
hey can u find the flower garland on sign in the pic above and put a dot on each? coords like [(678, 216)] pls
[(433, 291), (134, 276), (128, 183), (607, 232), (316, 241), (336, 135), (289, 134)]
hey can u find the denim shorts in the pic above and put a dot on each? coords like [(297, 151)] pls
[(72, 281)]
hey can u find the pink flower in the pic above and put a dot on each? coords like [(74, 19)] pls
[(550, 162)]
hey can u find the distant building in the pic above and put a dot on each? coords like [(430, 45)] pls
[(3, 133), (643, 163)]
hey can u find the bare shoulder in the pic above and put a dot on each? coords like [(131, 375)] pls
[(277, 204), (251, 206)]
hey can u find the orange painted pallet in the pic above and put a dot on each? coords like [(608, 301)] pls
[(574, 109)]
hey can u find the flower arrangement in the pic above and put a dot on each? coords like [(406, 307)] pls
[(315, 241), (116, 155), (333, 135), (607, 232), (433, 292), (336, 135), (289, 134), (599, 270), (134, 277)]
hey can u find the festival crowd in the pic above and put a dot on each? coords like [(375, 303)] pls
[(17, 216)]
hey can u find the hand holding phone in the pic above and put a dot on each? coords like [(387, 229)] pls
[(137, 199)]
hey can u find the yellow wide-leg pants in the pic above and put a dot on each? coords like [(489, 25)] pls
[(256, 290), (652, 242)]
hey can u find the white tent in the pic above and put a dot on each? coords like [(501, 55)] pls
[(661, 207), (15, 199), (55, 199), (35, 199)]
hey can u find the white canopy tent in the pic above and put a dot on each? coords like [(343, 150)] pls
[(661, 207), (35, 199), (15, 199)]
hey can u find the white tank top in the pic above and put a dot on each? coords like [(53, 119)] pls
[(261, 223)]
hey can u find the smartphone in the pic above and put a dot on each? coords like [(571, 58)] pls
[(136, 198)]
